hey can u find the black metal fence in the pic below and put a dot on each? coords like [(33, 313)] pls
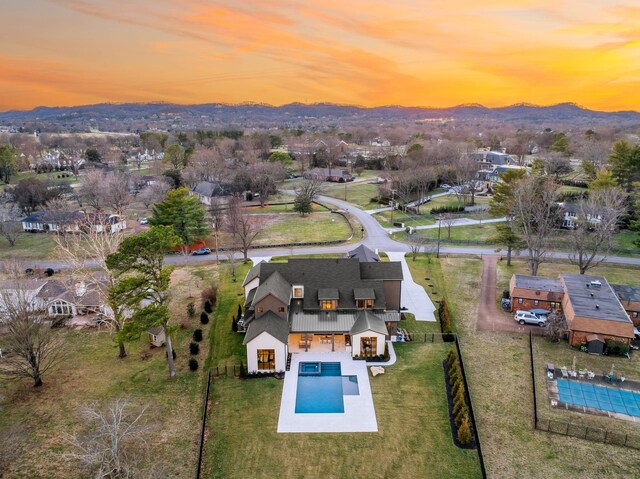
[(471, 413), (581, 431), (204, 424), (426, 337)]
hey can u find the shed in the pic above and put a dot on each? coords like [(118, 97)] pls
[(595, 344), (157, 337)]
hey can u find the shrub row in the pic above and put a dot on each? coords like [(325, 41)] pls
[(446, 326), (616, 348), (447, 209), (460, 409)]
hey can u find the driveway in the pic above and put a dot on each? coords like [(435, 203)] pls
[(490, 317), (414, 297)]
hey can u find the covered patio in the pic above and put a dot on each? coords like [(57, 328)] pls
[(319, 342)]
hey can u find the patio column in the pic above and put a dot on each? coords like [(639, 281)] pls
[(333, 336)]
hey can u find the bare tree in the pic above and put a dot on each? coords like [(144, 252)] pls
[(415, 247), (244, 227), (310, 187), (533, 207), (115, 443), (118, 192), (33, 347), (94, 189), (596, 221), (217, 212), (94, 242), (448, 220), (556, 326), (154, 193), (557, 165), (10, 227)]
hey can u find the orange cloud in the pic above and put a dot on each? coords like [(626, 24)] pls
[(409, 52)]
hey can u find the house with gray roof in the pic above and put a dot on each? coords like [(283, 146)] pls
[(319, 305), (207, 190)]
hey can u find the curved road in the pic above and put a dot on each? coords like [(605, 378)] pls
[(376, 237)]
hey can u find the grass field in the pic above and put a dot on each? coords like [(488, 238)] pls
[(318, 226), (498, 371), (414, 438), (359, 194), (92, 373), (28, 247)]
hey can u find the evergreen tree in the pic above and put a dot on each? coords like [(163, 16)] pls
[(184, 213), (302, 204)]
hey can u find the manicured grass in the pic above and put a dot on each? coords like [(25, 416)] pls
[(359, 194), (414, 438), (468, 233), (384, 218), (28, 247), (627, 240), (318, 226), (91, 372)]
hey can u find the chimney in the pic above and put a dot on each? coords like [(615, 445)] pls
[(81, 288), (597, 306)]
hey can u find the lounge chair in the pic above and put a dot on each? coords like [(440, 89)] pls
[(565, 373), (591, 375)]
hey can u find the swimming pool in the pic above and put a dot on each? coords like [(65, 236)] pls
[(599, 397), (321, 388)]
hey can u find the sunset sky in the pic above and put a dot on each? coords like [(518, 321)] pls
[(407, 52)]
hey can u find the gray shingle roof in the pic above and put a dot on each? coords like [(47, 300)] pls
[(341, 274), (269, 323), (328, 293), (626, 292), (208, 189), (276, 286), (593, 302), (368, 321), (364, 254), (538, 282), (364, 293), (253, 273)]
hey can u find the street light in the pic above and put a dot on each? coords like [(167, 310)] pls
[(439, 219)]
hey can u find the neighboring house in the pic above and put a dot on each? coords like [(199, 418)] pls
[(72, 222), (629, 297), (206, 191), (363, 254), (535, 292), (57, 298), (591, 306), (494, 174), (319, 305), (335, 175), (492, 157), (570, 216)]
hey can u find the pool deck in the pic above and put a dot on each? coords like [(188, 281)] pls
[(359, 414)]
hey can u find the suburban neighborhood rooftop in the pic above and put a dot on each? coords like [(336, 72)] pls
[(593, 297)]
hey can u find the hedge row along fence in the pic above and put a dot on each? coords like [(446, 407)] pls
[(460, 404), (446, 326), (447, 209)]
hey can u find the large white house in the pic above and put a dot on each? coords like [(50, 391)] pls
[(319, 305)]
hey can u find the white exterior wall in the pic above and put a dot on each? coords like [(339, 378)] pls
[(254, 283), (266, 341), (355, 342)]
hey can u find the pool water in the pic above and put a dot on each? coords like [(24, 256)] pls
[(323, 392), (599, 397)]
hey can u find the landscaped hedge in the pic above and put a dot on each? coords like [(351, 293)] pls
[(446, 326), (447, 209), (460, 409)]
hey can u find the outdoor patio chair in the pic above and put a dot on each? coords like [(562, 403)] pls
[(565, 373), (591, 375)]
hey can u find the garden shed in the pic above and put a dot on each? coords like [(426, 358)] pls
[(595, 344), (157, 337)]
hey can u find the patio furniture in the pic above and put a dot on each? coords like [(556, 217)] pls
[(582, 373), (551, 370), (573, 374), (564, 372), (375, 370), (591, 375)]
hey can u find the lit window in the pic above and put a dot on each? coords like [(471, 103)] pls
[(259, 309), (281, 309), (364, 303), (266, 359), (328, 304), (298, 292)]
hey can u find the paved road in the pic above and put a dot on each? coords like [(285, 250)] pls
[(376, 237), (456, 222)]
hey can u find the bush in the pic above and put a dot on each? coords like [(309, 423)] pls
[(191, 310), (464, 432), (193, 364), (459, 410), (194, 348), (204, 318), (447, 209), (452, 357), (210, 294), (207, 307), (506, 294), (445, 321), (197, 335), (49, 271), (166, 353), (615, 348), (234, 325), (459, 396)]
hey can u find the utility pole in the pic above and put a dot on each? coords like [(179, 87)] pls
[(393, 204), (439, 218)]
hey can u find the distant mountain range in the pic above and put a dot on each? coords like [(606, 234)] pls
[(297, 113)]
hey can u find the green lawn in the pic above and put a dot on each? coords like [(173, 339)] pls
[(467, 233), (318, 226), (91, 372), (359, 194), (414, 438), (28, 247)]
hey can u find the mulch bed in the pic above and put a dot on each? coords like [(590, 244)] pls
[(454, 429)]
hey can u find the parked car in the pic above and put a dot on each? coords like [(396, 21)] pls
[(528, 317), (445, 186), (201, 251), (144, 221), (636, 332)]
